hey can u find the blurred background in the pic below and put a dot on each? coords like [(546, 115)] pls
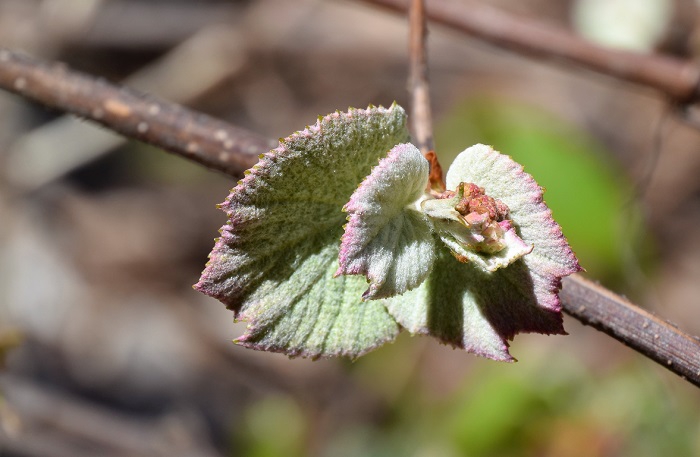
[(106, 350)]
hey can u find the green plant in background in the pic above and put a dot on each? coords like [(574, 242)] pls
[(471, 265), (271, 427), (550, 404)]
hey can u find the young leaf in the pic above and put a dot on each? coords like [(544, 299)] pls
[(467, 242), (274, 262), (387, 238), (489, 289), (465, 307), (504, 179)]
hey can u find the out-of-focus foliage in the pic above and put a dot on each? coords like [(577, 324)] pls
[(549, 405), (274, 426), (636, 25)]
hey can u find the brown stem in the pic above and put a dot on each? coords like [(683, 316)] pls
[(198, 137), (677, 79), (647, 334), (419, 88), (176, 129)]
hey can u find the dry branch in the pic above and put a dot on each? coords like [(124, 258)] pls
[(647, 334), (196, 136), (419, 87), (203, 139), (679, 80)]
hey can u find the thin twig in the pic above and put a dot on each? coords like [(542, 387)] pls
[(647, 334), (198, 137), (419, 88), (123, 111), (677, 79)]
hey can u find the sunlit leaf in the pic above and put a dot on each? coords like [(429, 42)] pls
[(274, 262), (388, 238)]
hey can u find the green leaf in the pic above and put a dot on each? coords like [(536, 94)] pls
[(310, 313), (586, 190), (274, 262), (466, 306), (387, 238), (504, 179)]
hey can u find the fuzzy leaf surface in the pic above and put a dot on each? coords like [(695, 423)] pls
[(387, 238), (274, 262), (504, 179), (467, 306), (459, 237)]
